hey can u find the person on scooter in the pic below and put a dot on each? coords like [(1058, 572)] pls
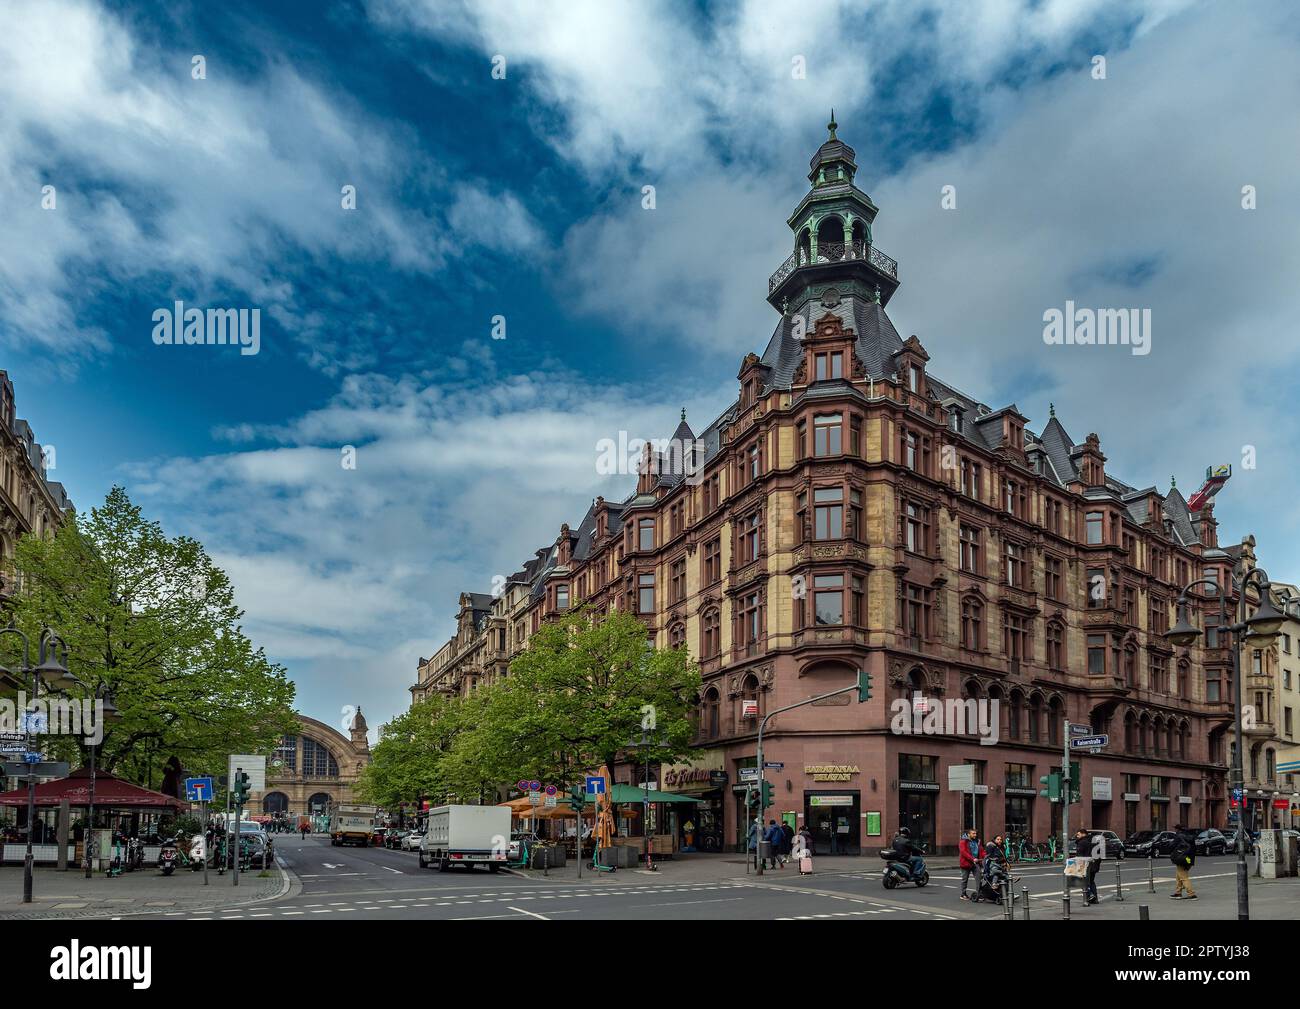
[(906, 851)]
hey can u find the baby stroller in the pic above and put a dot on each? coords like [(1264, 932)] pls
[(992, 881)]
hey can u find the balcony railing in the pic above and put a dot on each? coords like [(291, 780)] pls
[(834, 252)]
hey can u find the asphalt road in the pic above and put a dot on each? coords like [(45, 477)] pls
[(376, 883)]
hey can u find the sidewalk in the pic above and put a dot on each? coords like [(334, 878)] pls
[(69, 894), (700, 868)]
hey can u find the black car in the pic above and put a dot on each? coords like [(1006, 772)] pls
[(1213, 842), (393, 839), (1157, 844), (1114, 846), (1137, 838)]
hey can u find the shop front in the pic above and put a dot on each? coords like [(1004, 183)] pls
[(703, 779), (918, 797), (833, 818)]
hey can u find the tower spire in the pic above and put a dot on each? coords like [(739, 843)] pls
[(832, 125)]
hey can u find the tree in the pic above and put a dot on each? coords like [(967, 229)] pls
[(410, 758), (155, 621), (585, 688)]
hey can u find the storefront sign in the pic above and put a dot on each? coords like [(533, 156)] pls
[(1132, 797), (1019, 790), (1185, 800), (1281, 803), (830, 800), (830, 772), (686, 777), (1101, 789), (918, 786)]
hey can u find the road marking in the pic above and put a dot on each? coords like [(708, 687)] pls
[(679, 903), (530, 914), (398, 871)]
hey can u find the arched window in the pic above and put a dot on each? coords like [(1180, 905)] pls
[(1015, 707), (1055, 720), (711, 624), (830, 239), (1035, 717), (972, 624), (677, 635), (804, 247), (317, 761), (287, 753), (275, 802), (709, 725), (749, 692), (1055, 646), (319, 803), (1270, 765)]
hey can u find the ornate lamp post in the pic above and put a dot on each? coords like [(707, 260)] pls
[(1259, 629)]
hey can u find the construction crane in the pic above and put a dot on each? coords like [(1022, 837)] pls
[(1215, 478)]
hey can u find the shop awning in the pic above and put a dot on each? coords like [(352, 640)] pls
[(630, 794), (109, 792)]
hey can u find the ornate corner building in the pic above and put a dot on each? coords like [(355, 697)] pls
[(314, 767), (852, 510), (29, 502)]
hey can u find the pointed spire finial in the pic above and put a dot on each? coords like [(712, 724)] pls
[(1051, 408), (1173, 482), (683, 415), (832, 125), (876, 296)]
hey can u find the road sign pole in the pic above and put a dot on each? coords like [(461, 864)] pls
[(203, 826), (1065, 820), (238, 809)]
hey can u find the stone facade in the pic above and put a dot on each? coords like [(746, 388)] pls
[(313, 768)]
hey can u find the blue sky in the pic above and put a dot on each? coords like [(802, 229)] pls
[(521, 197)]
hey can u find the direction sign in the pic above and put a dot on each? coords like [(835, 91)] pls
[(1085, 742), (773, 765), (595, 785), (13, 737), (198, 789), (31, 758), (748, 774), (1080, 730)]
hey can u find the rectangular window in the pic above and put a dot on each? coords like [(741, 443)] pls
[(828, 597), (677, 586), (749, 538), (1095, 528), (1017, 570), (749, 619), (1054, 579), (1014, 498), (828, 509), (829, 366), (645, 599), (1095, 588), (970, 478), (915, 614), (646, 534), (1097, 654), (970, 545), (713, 561), (916, 528), (562, 596), (828, 434)]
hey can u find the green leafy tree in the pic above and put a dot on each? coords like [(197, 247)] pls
[(411, 757), (154, 620), (585, 688)]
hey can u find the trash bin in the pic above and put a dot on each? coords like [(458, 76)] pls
[(764, 849)]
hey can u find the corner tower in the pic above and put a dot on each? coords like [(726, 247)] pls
[(832, 237)]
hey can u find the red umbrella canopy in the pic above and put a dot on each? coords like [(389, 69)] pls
[(109, 791)]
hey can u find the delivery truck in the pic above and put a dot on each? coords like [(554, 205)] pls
[(466, 835), (351, 823)]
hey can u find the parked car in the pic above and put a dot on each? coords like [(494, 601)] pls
[(1114, 846), (1213, 842), (411, 842), (1136, 838), (377, 836), (517, 838), (393, 839), (1156, 845)]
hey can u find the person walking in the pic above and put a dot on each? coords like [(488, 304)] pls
[(970, 853), (787, 840), (751, 840), (1184, 857), (806, 835), (775, 838)]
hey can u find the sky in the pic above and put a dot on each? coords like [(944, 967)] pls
[(499, 297)]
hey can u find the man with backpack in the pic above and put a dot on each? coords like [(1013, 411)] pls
[(1184, 857)]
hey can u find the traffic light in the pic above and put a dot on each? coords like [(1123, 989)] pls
[(767, 797), (241, 789), (577, 797), (753, 800), (1053, 789), (864, 686)]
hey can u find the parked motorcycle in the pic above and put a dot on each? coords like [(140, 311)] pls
[(897, 872), (169, 856)]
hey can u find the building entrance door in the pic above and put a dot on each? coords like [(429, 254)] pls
[(833, 821), (916, 812)]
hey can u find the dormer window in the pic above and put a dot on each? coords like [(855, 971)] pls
[(915, 377), (829, 365), (955, 421)]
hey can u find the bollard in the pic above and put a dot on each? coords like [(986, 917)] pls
[(1151, 875), (1144, 912), (1119, 884), (1065, 901), (1024, 895), (1008, 897)]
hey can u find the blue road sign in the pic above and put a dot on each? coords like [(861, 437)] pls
[(1088, 742), (595, 786), (773, 765), (32, 758), (198, 789)]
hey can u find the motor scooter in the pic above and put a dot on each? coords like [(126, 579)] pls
[(897, 871)]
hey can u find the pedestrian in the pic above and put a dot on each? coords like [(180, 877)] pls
[(751, 840), (1093, 848), (970, 853), (805, 835), (776, 841), (1184, 857), (787, 842)]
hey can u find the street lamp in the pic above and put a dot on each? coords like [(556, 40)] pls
[(1260, 628), (108, 714), (51, 671)]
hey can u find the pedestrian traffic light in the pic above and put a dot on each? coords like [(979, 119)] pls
[(864, 686), (241, 789), (1053, 789), (766, 796), (577, 797)]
